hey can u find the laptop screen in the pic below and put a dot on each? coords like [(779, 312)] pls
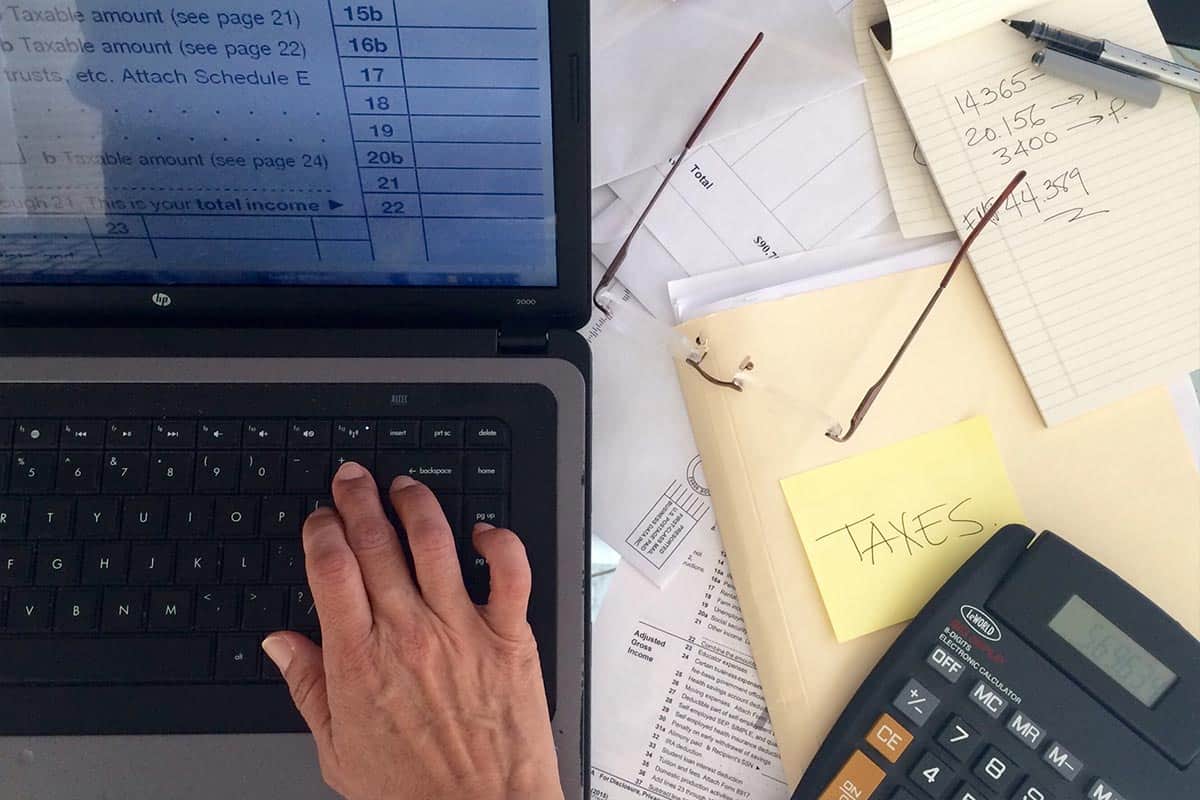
[(302, 142)]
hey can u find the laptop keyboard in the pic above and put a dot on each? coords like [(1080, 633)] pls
[(137, 551)]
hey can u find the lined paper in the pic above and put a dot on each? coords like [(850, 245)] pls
[(919, 207), (920, 24), (1093, 267)]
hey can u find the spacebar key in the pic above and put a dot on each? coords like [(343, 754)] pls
[(167, 660)]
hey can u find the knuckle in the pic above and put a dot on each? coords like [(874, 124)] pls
[(320, 522), (302, 687), (374, 535), (333, 566)]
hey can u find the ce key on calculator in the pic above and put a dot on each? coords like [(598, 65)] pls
[(1034, 674)]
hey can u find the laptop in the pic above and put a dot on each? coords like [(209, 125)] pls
[(240, 245)]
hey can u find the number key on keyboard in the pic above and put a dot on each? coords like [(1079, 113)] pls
[(125, 473), (33, 472), (217, 473), (171, 473), (262, 472), (79, 472), (308, 472)]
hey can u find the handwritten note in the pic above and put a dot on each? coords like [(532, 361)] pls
[(1090, 267), (884, 530)]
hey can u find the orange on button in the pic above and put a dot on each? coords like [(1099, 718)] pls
[(858, 780), (889, 738)]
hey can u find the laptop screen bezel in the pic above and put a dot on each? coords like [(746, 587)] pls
[(563, 306)]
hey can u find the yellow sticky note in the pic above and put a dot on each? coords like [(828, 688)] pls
[(884, 530)]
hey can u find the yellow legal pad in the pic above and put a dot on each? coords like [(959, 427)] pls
[(884, 530)]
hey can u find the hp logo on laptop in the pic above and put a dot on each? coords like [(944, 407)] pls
[(161, 299)]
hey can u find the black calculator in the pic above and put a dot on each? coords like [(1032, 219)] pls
[(1035, 673)]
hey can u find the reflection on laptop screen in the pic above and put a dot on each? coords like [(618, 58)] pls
[(292, 142)]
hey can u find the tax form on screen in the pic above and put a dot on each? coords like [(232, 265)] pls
[(305, 141)]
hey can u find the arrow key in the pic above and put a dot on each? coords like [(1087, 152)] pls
[(237, 658)]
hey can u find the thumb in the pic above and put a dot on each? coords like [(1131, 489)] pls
[(304, 670)]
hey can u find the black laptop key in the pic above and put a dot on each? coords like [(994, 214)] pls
[(5, 464), (235, 517), (452, 507), (197, 563), (354, 434), (217, 473), (262, 472), (33, 472), (79, 472), (266, 434), (280, 516), (126, 472), (123, 610), (286, 562), (105, 564), (28, 612), (6, 429), (128, 434), (219, 435), (35, 434), (171, 472), (170, 610), (475, 576), (237, 658), (262, 609), (487, 434), (50, 517), (77, 610), (151, 564), (315, 502), (364, 458), (442, 434), (81, 660), (217, 609), (302, 611), (307, 472), (57, 565), (488, 509), (242, 562), (14, 512), (82, 435), (398, 435), (173, 434), (439, 471), (487, 472), (310, 434), (16, 563), (144, 517), (190, 517), (97, 517)]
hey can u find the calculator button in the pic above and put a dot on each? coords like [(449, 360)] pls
[(1031, 790), (959, 739), (1102, 791), (932, 776), (967, 792), (996, 771), (945, 664), (1063, 761), (1027, 732), (857, 780), (916, 702), (988, 699), (889, 738)]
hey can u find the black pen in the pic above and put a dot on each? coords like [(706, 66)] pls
[(1096, 54)]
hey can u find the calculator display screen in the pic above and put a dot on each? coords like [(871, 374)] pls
[(1111, 649)]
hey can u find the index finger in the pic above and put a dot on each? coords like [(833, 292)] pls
[(335, 579)]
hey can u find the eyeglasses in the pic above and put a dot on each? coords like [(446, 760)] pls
[(610, 274), (872, 394)]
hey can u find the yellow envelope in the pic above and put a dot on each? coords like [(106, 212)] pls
[(883, 531)]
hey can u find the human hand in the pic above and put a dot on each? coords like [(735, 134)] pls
[(417, 693)]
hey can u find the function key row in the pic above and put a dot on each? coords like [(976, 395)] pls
[(231, 434)]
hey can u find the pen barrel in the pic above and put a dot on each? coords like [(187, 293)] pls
[(1147, 66), (1066, 41)]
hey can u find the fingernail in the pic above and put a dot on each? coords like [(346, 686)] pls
[(483, 526), (280, 651), (402, 482), (350, 471)]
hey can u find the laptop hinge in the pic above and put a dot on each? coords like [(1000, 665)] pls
[(522, 340)]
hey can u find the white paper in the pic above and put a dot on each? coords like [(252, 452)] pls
[(652, 85), (808, 180), (678, 712), (649, 497), (648, 268), (805, 272)]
